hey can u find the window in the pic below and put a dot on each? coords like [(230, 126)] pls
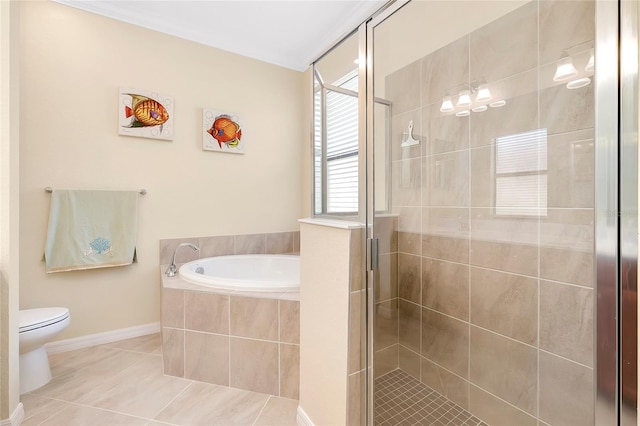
[(521, 174), (336, 145)]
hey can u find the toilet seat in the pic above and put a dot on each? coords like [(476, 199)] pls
[(32, 319)]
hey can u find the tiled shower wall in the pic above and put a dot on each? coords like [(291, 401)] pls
[(495, 311)]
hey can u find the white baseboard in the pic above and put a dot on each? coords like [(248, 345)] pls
[(302, 419), (101, 338), (16, 417)]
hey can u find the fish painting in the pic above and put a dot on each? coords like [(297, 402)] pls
[(225, 130), (146, 112)]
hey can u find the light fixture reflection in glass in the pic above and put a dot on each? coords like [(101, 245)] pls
[(591, 64), (463, 113), (498, 104), (481, 108), (464, 99), (576, 84), (565, 69), (447, 105), (483, 94)]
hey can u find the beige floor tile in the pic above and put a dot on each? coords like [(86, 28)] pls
[(150, 344), (206, 405), (62, 363), (82, 385), (122, 383), (80, 415), (74, 386), (278, 412), (140, 390), (38, 409)]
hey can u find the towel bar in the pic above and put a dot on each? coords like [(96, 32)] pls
[(142, 191)]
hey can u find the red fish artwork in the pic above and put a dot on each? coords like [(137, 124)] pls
[(225, 130), (146, 112)]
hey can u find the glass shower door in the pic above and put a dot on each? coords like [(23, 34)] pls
[(482, 305)]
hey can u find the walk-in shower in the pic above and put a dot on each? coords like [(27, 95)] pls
[(493, 160)]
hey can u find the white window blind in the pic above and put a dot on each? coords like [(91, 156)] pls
[(521, 174), (342, 153), (341, 180)]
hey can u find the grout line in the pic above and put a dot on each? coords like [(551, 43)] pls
[(446, 315), (262, 409), (565, 358), (530, 345), (567, 284), (53, 413), (505, 401), (110, 411), (136, 352), (538, 277), (173, 399)]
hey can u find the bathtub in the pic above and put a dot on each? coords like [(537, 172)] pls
[(254, 272)]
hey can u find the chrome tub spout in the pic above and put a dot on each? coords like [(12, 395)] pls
[(172, 269)]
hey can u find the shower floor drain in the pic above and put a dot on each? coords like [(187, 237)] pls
[(401, 399)]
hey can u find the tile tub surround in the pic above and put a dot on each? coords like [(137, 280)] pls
[(495, 312), (224, 245), (244, 340), (250, 343)]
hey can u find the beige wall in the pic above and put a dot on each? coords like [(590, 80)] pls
[(73, 63), (9, 268)]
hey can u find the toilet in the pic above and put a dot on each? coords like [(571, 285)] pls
[(37, 327)]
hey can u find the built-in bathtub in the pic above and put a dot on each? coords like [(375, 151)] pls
[(251, 273), (240, 331)]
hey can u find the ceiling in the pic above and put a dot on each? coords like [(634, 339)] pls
[(287, 33)]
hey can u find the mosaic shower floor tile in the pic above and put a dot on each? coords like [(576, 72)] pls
[(400, 399)]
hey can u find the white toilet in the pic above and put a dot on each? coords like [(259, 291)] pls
[(37, 327)]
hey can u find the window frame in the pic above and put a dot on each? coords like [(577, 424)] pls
[(322, 89)]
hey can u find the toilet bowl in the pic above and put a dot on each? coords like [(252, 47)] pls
[(37, 327)]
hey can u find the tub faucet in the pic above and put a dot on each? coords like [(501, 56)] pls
[(172, 269)]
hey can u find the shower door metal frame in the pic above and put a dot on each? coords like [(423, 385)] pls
[(628, 216), (606, 218), (366, 73), (616, 218)]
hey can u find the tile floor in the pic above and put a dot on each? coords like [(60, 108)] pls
[(403, 400), (122, 384)]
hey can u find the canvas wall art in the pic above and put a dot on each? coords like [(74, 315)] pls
[(145, 114), (221, 132)]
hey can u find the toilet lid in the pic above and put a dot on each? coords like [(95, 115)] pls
[(30, 319)]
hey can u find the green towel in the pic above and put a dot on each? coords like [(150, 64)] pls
[(91, 229)]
